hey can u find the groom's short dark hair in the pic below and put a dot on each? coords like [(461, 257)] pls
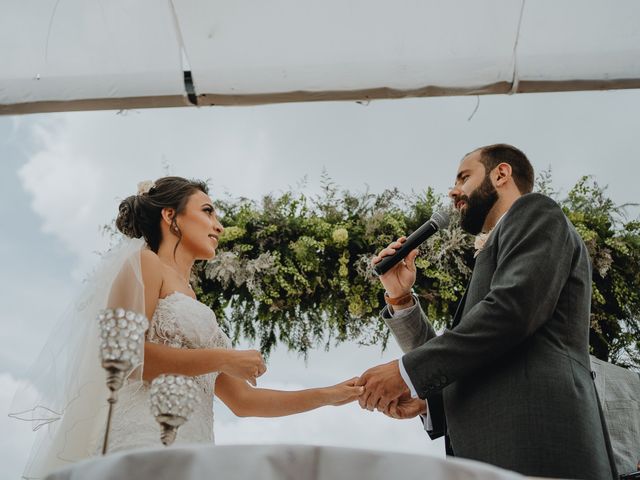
[(493, 155)]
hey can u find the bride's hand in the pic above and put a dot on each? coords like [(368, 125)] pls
[(245, 365), (343, 393)]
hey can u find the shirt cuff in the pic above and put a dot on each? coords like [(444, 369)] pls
[(428, 424), (404, 312), (407, 380)]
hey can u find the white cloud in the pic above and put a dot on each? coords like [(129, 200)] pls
[(66, 189), (83, 164)]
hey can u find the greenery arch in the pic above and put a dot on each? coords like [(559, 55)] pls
[(295, 270)]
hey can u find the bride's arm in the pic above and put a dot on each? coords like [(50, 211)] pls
[(158, 359), (246, 401)]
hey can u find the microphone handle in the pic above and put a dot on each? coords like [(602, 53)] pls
[(414, 240)]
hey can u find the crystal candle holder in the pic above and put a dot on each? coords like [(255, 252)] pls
[(173, 398), (122, 334)]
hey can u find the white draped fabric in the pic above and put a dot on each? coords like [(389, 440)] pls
[(91, 54), (65, 399), (277, 462)]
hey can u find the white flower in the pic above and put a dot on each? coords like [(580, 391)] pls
[(145, 186), (480, 241)]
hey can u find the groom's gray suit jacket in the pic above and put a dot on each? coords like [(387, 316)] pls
[(510, 382)]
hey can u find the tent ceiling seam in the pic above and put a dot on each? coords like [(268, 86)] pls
[(515, 79), (49, 27), (189, 86)]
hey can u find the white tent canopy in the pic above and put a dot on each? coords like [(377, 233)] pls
[(60, 55)]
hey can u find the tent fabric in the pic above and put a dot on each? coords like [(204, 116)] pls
[(91, 54)]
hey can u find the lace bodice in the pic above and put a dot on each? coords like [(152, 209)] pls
[(182, 322), (179, 321)]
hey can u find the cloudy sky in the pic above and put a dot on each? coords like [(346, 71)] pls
[(62, 176)]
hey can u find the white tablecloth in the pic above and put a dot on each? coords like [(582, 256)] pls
[(271, 462)]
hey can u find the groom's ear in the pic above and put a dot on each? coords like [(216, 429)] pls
[(504, 173)]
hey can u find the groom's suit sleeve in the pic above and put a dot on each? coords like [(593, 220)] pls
[(411, 330), (533, 261)]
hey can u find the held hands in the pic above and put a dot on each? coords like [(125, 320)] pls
[(343, 393), (382, 386), (245, 364), (399, 279), (386, 391)]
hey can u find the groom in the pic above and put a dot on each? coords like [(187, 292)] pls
[(510, 383)]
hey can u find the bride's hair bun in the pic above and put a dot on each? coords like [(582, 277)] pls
[(126, 221), (140, 215)]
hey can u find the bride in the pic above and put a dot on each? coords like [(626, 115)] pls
[(169, 225)]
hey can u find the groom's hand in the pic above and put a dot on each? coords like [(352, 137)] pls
[(406, 407), (382, 385), (401, 277)]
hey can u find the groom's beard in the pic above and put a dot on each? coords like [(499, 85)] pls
[(479, 203)]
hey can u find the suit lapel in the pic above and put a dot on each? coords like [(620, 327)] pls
[(460, 310)]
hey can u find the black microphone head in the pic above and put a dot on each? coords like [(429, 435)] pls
[(437, 221), (441, 219)]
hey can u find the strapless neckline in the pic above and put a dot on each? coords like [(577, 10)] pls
[(177, 292)]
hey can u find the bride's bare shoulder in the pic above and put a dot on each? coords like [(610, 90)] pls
[(151, 268), (149, 258)]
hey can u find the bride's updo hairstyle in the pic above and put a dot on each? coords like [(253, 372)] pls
[(140, 215)]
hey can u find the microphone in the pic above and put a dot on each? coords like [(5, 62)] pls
[(437, 221)]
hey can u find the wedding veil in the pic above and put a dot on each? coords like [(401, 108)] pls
[(65, 397)]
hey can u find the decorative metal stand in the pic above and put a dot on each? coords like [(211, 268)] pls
[(173, 398), (122, 343)]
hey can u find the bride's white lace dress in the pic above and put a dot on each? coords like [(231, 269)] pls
[(182, 322)]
